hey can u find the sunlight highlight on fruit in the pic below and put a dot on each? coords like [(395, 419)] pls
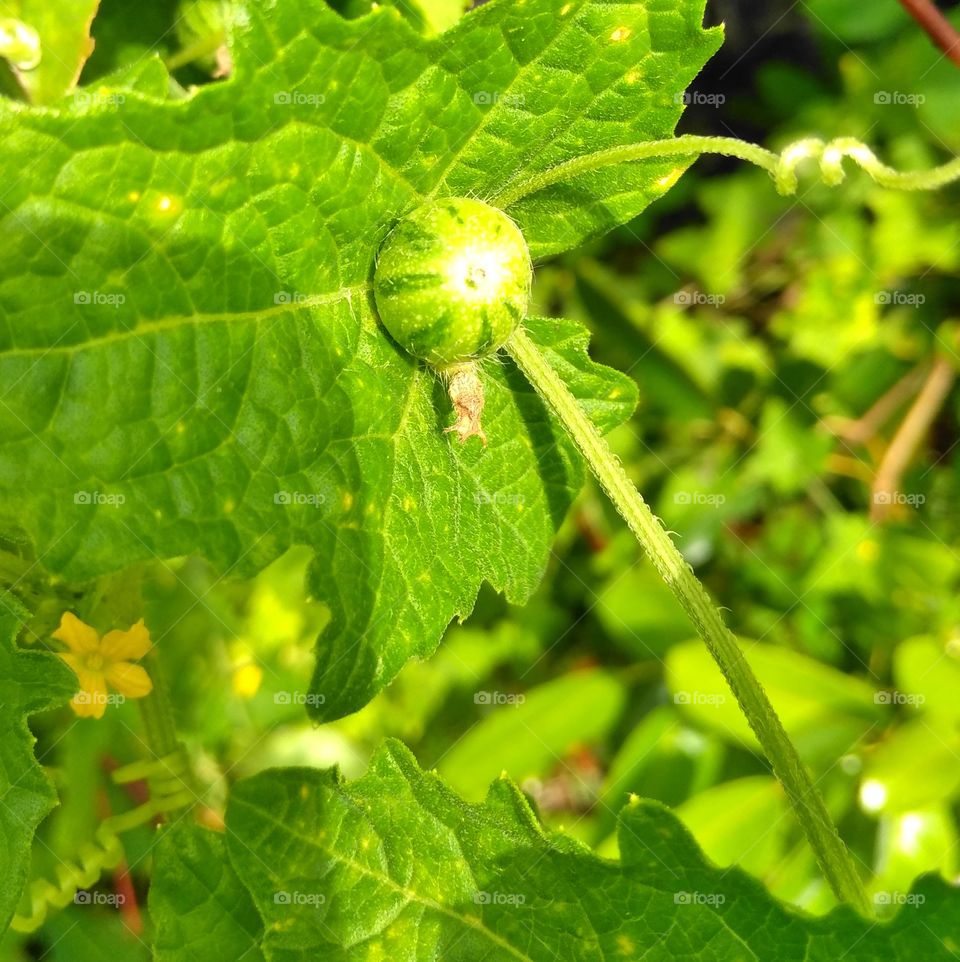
[(452, 281)]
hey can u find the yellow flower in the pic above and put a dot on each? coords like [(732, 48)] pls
[(102, 662)]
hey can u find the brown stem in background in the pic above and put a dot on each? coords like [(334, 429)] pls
[(937, 26), (864, 429), (915, 425), (129, 906)]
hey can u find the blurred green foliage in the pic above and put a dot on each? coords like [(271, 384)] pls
[(779, 346)]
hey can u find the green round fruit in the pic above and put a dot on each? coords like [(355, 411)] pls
[(453, 281)]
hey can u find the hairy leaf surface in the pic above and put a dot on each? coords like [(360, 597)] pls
[(394, 865), (199, 905), (190, 361), (30, 681)]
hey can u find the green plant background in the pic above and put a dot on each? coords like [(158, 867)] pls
[(757, 328)]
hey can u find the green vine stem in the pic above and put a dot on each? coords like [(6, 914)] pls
[(834, 859), (782, 167)]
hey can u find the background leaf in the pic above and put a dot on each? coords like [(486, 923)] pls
[(524, 734), (823, 710)]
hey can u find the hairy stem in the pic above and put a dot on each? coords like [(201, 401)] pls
[(834, 859), (782, 167)]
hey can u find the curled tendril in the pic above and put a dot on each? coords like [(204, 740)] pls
[(782, 167), (168, 793), (831, 154)]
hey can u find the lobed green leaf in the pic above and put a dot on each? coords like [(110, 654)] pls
[(395, 866), (190, 360), (30, 681), (199, 905)]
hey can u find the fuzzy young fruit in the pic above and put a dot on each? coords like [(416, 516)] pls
[(453, 281)]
